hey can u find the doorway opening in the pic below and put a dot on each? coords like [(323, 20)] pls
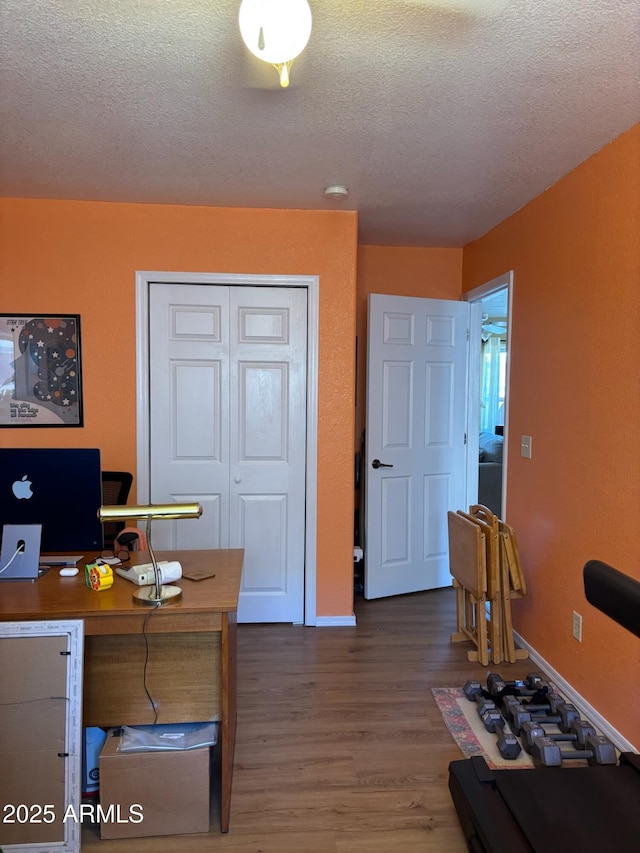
[(490, 341)]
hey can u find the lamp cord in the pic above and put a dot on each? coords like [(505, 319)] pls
[(146, 661)]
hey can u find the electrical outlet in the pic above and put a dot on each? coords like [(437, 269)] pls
[(577, 626), (525, 446)]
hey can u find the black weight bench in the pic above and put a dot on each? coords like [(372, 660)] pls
[(579, 809), (545, 810)]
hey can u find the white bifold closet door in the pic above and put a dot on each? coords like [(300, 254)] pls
[(228, 429)]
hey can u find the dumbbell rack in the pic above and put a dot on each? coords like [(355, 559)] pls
[(487, 573)]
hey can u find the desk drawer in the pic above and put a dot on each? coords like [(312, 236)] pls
[(167, 622)]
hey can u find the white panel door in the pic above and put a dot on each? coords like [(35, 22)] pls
[(415, 447), (268, 449), (228, 427), (189, 411)]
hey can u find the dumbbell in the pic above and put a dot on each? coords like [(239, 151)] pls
[(564, 716), (494, 722), (531, 729), (489, 713), (484, 706), (535, 681), (599, 750), (549, 706), (507, 743), (562, 713), (472, 690), (526, 687)]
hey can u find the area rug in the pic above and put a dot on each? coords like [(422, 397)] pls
[(468, 731)]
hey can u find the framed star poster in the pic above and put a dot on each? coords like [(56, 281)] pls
[(40, 373)]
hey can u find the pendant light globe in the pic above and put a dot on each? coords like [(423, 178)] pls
[(276, 31)]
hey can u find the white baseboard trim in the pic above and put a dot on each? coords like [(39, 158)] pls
[(587, 710), (336, 621)]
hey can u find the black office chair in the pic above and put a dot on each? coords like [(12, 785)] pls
[(116, 486)]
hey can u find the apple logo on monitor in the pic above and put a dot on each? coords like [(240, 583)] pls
[(22, 488)]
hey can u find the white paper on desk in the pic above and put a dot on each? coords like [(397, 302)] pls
[(165, 736)]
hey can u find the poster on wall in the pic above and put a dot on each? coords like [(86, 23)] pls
[(40, 375)]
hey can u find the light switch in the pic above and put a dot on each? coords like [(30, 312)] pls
[(525, 446)]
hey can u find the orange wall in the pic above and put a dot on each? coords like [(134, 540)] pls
[(575, 388), (81, 258), (432, 273)]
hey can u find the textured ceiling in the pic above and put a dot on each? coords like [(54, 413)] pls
[(441, 123)]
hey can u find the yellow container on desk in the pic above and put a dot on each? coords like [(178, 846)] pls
[(99, 576)]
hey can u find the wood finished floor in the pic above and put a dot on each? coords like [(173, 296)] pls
[(340, 746)]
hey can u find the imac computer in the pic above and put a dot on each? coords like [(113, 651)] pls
[(60, 489)]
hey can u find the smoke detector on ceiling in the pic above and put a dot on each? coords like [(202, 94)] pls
[(336, 191)]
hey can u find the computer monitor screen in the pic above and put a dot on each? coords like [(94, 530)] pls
[(60, 489)]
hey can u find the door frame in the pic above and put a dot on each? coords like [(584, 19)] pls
[(475, 296), (144, 280)]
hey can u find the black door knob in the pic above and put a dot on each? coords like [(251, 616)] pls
[(378, 464)]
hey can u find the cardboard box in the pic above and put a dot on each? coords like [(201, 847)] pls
[(164, 792), (92, 744)]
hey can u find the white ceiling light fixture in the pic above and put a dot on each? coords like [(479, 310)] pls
[(336, 191), (276, 31)]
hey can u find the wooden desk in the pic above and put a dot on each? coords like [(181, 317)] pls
[(191, 666)]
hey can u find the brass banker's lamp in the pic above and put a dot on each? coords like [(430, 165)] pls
[(157, 594)]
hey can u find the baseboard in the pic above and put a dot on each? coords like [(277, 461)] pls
[(574, 697), (336, 621)]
